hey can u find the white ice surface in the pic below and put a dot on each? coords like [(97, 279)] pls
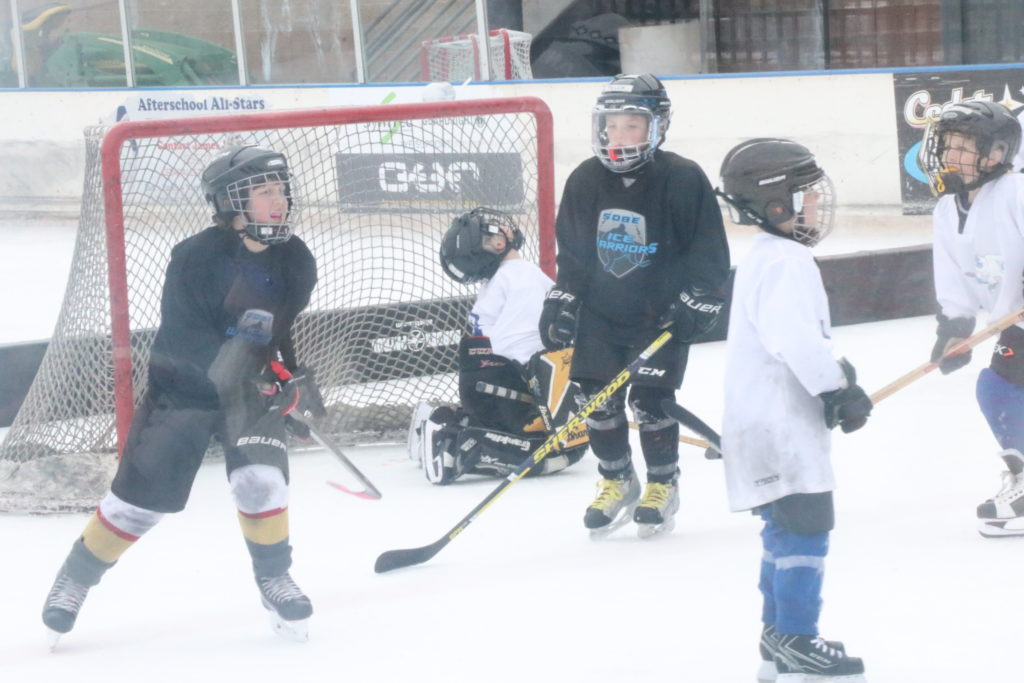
[(523, 593)]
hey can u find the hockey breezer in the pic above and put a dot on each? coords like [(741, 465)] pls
[(370, 491), (396, 559)]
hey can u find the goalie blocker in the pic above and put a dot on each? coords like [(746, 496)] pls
[(493, 433)]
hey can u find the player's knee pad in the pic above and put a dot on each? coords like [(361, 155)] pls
[(805, 514), (659, 434), (125, 517), (258, 488), (1002, 403), (610, 415)]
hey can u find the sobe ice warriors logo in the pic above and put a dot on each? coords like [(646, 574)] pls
[(622, 242)]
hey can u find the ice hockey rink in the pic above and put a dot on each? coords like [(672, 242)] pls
[(523, 593)]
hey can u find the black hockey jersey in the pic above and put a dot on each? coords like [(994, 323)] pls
[(211, 280), (627, 250)]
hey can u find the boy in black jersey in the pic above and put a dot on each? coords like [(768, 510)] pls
[(641, 248), (220, 365)]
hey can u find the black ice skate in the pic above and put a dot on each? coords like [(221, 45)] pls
[(62, 605), (289, 607), (1003, 514), (810, 659), (613, 506), (768, 646), (657, 509)]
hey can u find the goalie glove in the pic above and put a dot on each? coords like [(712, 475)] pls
[(949, 333), (693, 313), (848, 406), (558, 319), (287, 392)]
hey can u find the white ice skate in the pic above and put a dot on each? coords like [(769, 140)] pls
[(1003, 514)]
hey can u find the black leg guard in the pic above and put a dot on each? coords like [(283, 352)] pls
[(659, 434), (608, 431)]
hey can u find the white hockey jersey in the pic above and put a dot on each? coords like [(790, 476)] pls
[(508, 307), (778, 359), (981, 268)]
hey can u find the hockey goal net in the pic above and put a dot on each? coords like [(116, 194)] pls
[(377, 187), (457, 58)]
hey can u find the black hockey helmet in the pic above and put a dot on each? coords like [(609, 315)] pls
[(640, 94), (230, 177), (994, 130), (463, 254), (769, 181)]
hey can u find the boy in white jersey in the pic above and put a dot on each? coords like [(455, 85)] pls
[(979, 265), (784, 392), (498, 424)]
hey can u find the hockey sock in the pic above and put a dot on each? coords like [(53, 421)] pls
[(115, 526), (266, 536), (83, 566), (791, 582), (1002, 404), (659, 434)]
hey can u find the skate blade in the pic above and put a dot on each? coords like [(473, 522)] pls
[(53, 637), (296, 631), (1001, 528), (814, 678), (768, 673), (646, 531), (624, 517)]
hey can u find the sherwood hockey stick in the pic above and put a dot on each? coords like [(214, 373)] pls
[(972, 341), (395, 559), (370, 491), (504, 392)]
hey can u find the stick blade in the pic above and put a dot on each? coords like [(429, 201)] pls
[(694, 424), (397, 559), (369, 494)]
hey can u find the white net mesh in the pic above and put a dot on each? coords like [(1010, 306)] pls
[(456, 58), (374, 199)]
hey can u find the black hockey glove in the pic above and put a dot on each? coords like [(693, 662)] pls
[(693, 313), (287, 392), (950, 332), (848, 407), (558, 319)]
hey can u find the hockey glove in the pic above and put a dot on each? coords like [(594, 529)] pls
[(848, 407), (287, 392), (558, 319), (693, 313), (950, 332)]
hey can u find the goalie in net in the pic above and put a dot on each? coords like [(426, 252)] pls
[(512, 393), (222, 365)]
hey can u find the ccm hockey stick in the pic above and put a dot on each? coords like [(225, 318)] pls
[(395, 559), (503, 392), (972, 341), (370, 491)]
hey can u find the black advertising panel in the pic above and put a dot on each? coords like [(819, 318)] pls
[(919, 99)]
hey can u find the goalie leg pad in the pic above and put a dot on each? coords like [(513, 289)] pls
[(492, 452), (478, 364), (1002, 404), (659, 434)]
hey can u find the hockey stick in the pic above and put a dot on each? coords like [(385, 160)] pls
[(395, 559), (972, 341), (370, 491), (713, 444), (504, 392)]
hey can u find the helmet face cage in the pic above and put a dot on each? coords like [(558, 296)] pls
[(813, 208), (643, 95), (238, 194), (463, 254), (992, 129)]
